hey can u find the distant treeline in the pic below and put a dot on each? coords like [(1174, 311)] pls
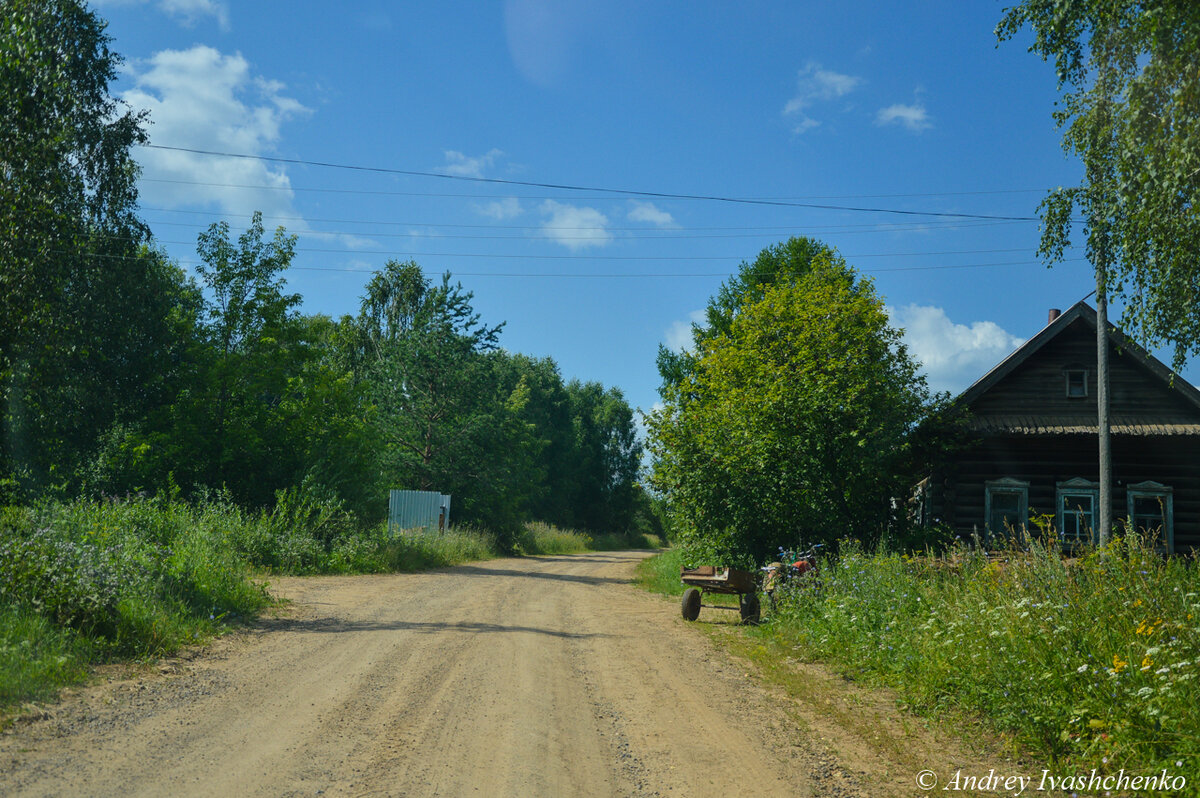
[(120, 374)]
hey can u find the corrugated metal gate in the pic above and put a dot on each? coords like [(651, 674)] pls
[(417, 509)]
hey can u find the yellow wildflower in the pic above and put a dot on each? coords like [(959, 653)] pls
[(1118, 663)]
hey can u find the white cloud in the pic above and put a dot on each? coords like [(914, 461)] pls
[(651, 214), (953, 355), (574, 227), (507, 208), (188, 12), (201, 99), (679, 335), (914, 117), (463, 166), (816, 84)]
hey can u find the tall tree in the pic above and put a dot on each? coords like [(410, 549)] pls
[(797, 425), (71, 256), (432, 373), (607, 457), (1129, 71)]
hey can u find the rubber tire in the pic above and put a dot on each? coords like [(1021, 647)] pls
[(691, 604), (749, 607)]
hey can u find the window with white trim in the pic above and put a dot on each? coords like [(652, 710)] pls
[(1151, 512), (1006, 506), (1078, 502)]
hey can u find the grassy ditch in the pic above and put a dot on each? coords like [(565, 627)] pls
[(1089, 662), (83, 583)]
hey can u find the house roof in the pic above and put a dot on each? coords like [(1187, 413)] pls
[(1044, 425), (1120, 425)]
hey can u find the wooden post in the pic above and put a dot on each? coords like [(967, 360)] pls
[(1105, 522)]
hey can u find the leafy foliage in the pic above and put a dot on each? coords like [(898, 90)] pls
[(1131, 111), (797, 425), (87, 311)]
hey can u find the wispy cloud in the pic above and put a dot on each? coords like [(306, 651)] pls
[(679, 335), (575, 227), (463, 166), (650, 213), (953, 355), (202, 99), (507, 208), (187, 12), (816, 84), (913, 117)]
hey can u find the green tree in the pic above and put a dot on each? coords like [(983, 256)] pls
[(443, 418), (607, 458), (797, 426), (1131, 112), (778, 263), (84, 306)]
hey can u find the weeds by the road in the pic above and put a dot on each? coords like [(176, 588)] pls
[(1089, 662), (86, 582), (660, 573), (540, 538)]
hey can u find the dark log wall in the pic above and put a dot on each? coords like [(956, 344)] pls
[(1038, 386), (958, 493)]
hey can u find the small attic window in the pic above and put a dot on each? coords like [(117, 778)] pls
[(1077, 383)]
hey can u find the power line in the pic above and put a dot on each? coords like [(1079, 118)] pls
[(643, 233), (508, 256), (597, 189), (376, 192), (343, 270)]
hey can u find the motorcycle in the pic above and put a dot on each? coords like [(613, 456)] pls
[(776, 575)]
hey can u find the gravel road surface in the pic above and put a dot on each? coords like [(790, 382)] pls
[(547, 676)]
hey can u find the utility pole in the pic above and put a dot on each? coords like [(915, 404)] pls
[(1102, 384), (1100, 180)]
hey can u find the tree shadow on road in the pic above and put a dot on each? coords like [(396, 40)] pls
[(339, 625), (474, 570)]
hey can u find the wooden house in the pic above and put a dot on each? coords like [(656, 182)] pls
[(1034, 448)]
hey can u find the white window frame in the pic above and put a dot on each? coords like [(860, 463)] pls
[(1007, 485), (1164, 493), (1076, 487)]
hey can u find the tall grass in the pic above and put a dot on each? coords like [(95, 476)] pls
[(1091, 661)]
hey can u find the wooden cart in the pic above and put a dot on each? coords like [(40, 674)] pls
[(712, 579)]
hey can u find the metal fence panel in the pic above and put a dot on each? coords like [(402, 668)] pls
[(417, 509)]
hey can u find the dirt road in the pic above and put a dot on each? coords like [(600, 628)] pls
[(542, 676)]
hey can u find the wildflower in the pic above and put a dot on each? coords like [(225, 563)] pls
[(1081, 668), (1118, 664)]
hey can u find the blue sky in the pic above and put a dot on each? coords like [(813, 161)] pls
[(897, 106)]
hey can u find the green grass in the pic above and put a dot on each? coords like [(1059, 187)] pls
[(1087, 663), (83, 582), (660, 573), (421, 550), (542, 538), (36, 657)]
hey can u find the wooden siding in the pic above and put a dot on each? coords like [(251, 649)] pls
[(957, 495), (1038, 386)]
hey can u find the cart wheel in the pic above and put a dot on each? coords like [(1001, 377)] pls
[(749, 607), (691, 604)]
